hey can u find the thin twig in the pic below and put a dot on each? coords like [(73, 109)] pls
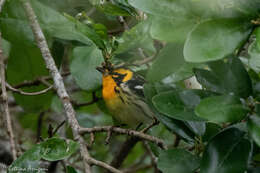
[(153, 158), (28, 93), (58, 127), (6, 114), (1, 4), (118, 130), (39, 127), (123, 152), (61, 91), (58, 82), (38, 81)]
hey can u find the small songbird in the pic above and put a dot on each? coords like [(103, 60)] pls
[(124, 97)]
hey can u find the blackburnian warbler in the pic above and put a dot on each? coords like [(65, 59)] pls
[(124, 97)]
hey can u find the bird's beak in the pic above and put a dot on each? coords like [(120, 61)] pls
[(100, 69)]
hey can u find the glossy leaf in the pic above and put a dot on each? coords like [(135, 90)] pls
[(177, 160), (57, 149), (172, 54), (215, 39), (173, 125), (219, 109), (253, 125), (227, 152), (83, 67), (228, 77), (254, 52), (178, 105), (29, 159)]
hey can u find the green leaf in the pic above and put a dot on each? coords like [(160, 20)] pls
[(169, 60), (183, 72), (57, 25), (29, 63), (253, 125), (173, 125), (229, 9), (53, 23), (163, 8), (215, 39), (227, 152), (174, 29), (29, 159), (254, 53), (83, 67), (220, 109), (70, 169), (57, 149), (177, 160), (179, 105), (136, 37), (236, 82), (113, 9), (198, 128), (211, 130), (6, 47)]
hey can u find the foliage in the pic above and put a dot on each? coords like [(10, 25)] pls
[(216, 41)]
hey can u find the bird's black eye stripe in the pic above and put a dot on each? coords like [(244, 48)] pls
[(118, 77)]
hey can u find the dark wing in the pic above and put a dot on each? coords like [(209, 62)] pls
[(136, 85)]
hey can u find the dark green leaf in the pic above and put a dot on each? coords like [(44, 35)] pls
[(29, 159), (30, 65), (70, 169), (253, 125), (83, 67), (169, 60), (57, 149), (175, 126), (219, 109), (178, 105), (226, 77), (215, 39), (198, 128), (227, 152), (177, 160), (211, 130)]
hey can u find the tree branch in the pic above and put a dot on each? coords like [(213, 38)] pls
[(61, 91), (28, 93), (1, 4), (6, 114), (58, 82), (118, 130)]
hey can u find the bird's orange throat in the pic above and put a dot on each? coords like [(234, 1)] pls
[(108, 90), (109, 84)]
